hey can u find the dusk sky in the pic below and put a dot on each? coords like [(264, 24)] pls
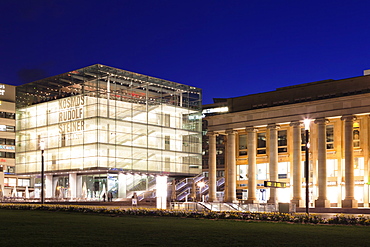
[(228, 48)]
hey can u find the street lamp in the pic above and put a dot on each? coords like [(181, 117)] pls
[(201, 184), (42, 147), (306, 167)]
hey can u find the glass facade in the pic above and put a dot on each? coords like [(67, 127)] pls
[(100, 118)]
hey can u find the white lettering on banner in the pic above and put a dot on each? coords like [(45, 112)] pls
[(7, 147), (70, 114), (2, 89)]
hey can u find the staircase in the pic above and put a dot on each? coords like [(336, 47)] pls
[(185, 188)]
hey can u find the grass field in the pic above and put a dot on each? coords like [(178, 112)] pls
[(45, 228)]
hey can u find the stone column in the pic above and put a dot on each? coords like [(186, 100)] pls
[(349, 201), (273, 159), (231, 167), (321, 201), (212, 179), (252, 153), (297, 166)]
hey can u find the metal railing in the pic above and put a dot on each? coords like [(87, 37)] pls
[(243, 207)]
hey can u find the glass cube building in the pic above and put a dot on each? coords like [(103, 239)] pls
[(106, 130)]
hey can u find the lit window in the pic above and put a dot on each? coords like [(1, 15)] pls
[(356, 135), (242, 145), (261, 143), (330, 137), (282, 141)]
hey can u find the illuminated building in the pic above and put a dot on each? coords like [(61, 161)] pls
[(8, 179), (107, 130), (265, 141)]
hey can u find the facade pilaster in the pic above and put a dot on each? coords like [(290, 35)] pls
[(231, 166), (252, 154), (321, 162), (297, 166), (212, 179), (122, 187), (49, 186), (349, 200), (273, 159), (72, 185), (365, 145)]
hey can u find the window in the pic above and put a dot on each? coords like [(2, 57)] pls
[(331, 167), (7, 115), (10, 169), (262, 171), (261, 143), (242, 172), (220, 162), (166, 120), (167, 143), (24, 182), (10, 182), (7, 128), (7, 155), (220, 173), (220, 139), (359, 166), (283, 169), (10, 141), (242, 145), (282, 141), (63, 141), (329, 136), (303, 139), (7, 141), (167, 164), (356, 135)]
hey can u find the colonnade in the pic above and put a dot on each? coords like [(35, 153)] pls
[(296, 153)]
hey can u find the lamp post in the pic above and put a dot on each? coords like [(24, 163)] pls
[(306, 167), (201, 185), (42, 147)]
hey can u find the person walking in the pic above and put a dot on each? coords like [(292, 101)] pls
[(134, 199), (110, 196)]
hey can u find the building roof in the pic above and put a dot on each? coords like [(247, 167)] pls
[(301, 93)]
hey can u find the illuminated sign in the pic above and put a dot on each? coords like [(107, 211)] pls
[(195, 117), (217, 109), (71, 114), (274, 184)]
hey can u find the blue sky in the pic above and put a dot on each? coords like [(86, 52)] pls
[(227, 48)]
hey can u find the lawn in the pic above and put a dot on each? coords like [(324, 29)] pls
[(47, 228)]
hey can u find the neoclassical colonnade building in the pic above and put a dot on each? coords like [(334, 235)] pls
[(265, 141)]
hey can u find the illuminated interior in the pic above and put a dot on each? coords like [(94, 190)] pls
[(104, 119)]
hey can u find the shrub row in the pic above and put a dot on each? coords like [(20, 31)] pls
[(251, 216)]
